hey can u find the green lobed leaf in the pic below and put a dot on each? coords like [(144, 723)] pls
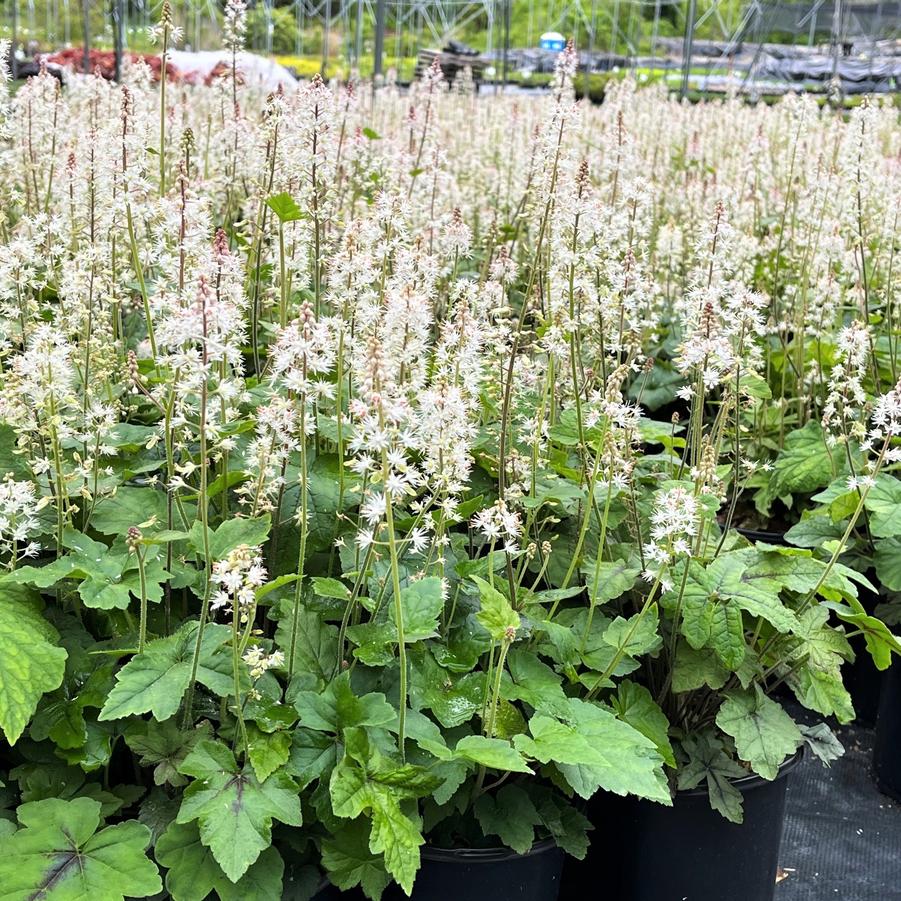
[(636, 635), (349, 862), (129, 507), (695, 668), (193, 873), (634, 705), (887, 560), (765, 735), (532, 681), (822, 742), (316, 642), (496, 615), (231, 534), (422, 603), (594, 749), (268, 751), (59, 855), (453, 698), (883, 504), (708, 761), (494, 753), (238, 838), (752, 580), (881, 642), (804, 463), (612, 577), (30, 661), (156, 680), (108, 577), (510, 815), (822, 691), (369, 784), (164, 746), (285, 207), (338, 707)]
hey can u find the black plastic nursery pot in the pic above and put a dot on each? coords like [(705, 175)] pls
[(862, 679), (764, 535), (887, 750), (488, 874), (688, 852)]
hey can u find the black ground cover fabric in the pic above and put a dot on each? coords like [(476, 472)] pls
[(842, 837)]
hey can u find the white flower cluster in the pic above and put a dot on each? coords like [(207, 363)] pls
[(260, 662), (19, 509), (498, 523), (234, 25), (847, 397), (238, 576), (886, 425), (674, 524)]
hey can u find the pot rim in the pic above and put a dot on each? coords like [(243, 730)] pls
[(752, 780), (773, 536), (485, 855)]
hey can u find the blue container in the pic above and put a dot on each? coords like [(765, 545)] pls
[(552, 40)]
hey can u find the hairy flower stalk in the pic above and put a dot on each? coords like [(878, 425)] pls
[(166, 32)]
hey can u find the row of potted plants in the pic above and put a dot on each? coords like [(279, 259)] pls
[(380, 473)]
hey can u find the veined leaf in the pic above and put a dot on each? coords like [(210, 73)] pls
[(156, 680), (494, 753), (316, 644), (422, 603), (230, 535), (194, 874), (285, 207), (612, 577), (804, 463), (164, 745), (634, 705), (59, 855), (708, 760), (881, 642), (596, 750), (510, 815), (268, 751), (349, 862), (366, 783), (339, 708), (129, 507), (496, 614), (234, 810), (765, 735), (30, 662)]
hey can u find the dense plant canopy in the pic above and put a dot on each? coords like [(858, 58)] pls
[(373, 464)]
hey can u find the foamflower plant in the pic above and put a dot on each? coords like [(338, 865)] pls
[(364, 488)]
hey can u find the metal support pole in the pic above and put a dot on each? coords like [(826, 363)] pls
[(687, 44), (86, 35), (594, 28), (836, 35), (358, 41), (118, 36), (326, 36), (506, 51), (13, 61), (380, 13), (656, 32), (615, 29)]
